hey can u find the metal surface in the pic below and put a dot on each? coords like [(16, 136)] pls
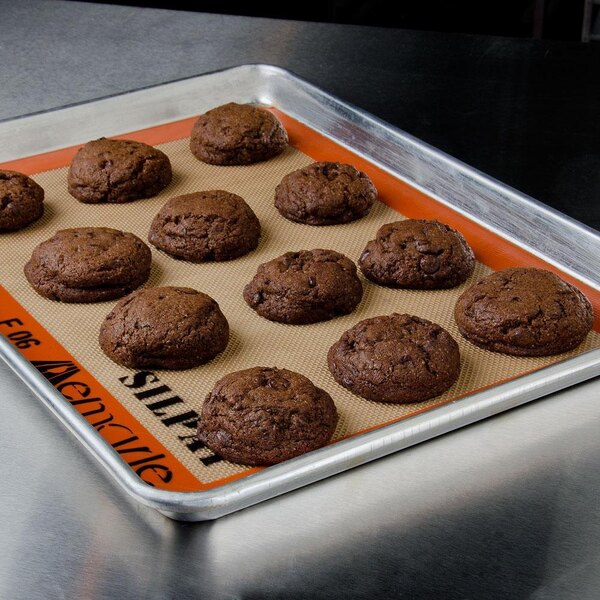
[(504, 510), (523, 111), (507, 509), (505, 211)]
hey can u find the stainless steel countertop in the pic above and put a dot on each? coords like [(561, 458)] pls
[(506, 508)]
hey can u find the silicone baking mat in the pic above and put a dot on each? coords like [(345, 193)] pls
[(149, 417)]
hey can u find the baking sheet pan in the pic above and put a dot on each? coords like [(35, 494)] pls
[(426, 170)]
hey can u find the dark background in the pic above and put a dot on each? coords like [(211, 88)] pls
[(547, 19), (505, 86)]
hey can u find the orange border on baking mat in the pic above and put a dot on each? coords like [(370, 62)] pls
[(147, 457), (490, 249), (56, 159)]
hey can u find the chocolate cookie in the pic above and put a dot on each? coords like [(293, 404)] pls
[(117, 171), (395, 358), (21, 201), (262, 416), (524, 312), (325, 193), (237, 134), (214, 225), (304, 287), (164, 328), (417, 254), (88, 264)]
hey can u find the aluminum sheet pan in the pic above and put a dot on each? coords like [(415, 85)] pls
[(554, 237)]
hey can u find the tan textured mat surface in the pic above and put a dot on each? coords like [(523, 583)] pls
[(254, 341)]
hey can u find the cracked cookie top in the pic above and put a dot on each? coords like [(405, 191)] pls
[(417, 254), (203, 226), (525, 312), (237, 134), (262, 416), (395, 358), (164, 327), (88, 264), (117, 171), (304, 287), (325, 193), (21, 201)]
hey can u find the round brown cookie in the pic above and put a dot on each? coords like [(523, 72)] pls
[(88, 264), (304, 287), (21, 201), (117, 171), (417, 254), (325, 193), (395, 358), (164, 328), (237, 134), (263, 416), (203, 226), (524, 312)]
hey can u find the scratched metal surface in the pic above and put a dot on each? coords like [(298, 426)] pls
[(505, 509)]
